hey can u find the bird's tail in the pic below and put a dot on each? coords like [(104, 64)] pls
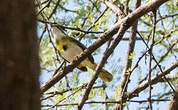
[(104, 75)]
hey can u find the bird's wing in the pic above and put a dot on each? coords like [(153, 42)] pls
[(90, 57), (80, 68)]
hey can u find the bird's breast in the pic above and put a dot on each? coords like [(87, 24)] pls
[(70, 51)]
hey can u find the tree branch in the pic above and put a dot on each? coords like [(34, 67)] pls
[(107, 102), (106, 56), (126, 74), (155, 79), (173, 105), (127, 21)]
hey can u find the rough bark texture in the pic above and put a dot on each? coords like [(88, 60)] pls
[(19, 61), (173, 105)]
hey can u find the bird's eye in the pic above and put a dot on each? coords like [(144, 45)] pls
[(64, 47)]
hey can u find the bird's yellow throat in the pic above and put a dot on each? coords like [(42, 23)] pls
[(70, 48), (61, 43)]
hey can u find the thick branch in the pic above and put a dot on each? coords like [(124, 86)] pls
[(126, 74), (130, 51), (114, 9), (127, 21), (155, 79), (106, 56)]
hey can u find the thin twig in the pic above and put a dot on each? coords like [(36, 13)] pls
[(128, 65), (160, 60), (99, 67), (42, 34), (108, 102), (67, 96), (126, 7), (55, 8), (167, 16), (106, 36), (150, 62), (154, 80), (47, 5), (94, 23), (156, 62), (67, 10)]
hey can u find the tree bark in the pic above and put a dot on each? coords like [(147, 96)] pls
[(19, 60), (173, 105)]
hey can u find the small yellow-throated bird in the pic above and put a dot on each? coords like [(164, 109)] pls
[(69, 49)]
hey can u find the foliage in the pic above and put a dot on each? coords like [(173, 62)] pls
[(79, 16)]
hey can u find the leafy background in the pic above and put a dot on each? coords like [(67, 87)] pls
[(83, 14)]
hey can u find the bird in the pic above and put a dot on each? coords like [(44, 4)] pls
[(70, 48)]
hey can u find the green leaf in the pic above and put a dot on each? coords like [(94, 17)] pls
[(117, 93)]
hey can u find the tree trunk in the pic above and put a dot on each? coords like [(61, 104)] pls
[(19, 61), (173, 105)]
